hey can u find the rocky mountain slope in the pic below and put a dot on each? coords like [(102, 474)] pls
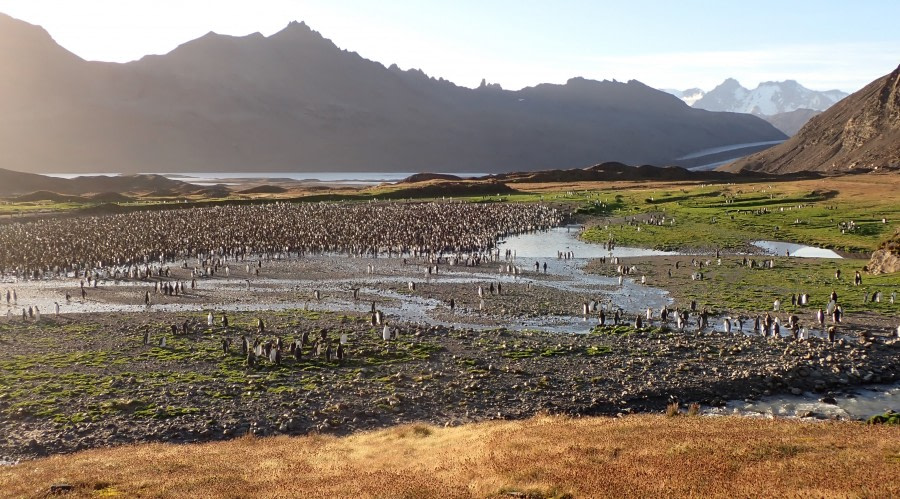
[(860, 132), (792, 121), (295, 101)]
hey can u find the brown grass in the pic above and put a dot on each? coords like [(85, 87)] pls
[(543, 457)]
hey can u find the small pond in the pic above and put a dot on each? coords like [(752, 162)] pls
[(797, 250)]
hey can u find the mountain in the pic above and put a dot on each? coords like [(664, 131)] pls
[(294, 101), (767, 99), (689, 96), (861, 131), (792, 121)]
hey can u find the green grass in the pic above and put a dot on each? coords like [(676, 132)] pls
[(726, 217), (41, 383), (733, 286)]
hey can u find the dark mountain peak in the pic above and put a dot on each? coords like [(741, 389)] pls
[(18, 37), (210, 42), (639, 84), (11, 25), (297, 31), (580, 81), (484, 85)]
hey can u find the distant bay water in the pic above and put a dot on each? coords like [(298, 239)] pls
[(233, 178)]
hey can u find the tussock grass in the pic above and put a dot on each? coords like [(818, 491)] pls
[(545, 456)]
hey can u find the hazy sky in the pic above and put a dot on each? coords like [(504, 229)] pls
[(823, 44)]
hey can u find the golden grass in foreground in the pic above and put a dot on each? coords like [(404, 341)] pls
[(544, 456)]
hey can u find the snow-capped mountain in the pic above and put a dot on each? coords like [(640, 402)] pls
[(767, 99), (689, 96), (860, 132)]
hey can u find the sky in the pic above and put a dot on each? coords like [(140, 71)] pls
[(823, 44)]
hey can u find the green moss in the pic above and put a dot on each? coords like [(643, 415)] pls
[(888, 418), (593, 351)]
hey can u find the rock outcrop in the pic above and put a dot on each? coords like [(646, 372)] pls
[(886, 259)]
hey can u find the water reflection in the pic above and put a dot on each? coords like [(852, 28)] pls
[(547, 244), (796, 250)]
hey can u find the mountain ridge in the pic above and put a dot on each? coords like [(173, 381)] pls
[(768, 98), (294, 101), (787, 104), (731, 96)]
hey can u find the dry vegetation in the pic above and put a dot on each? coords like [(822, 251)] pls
[(541, 457)]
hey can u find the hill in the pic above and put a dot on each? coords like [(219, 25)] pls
[(635, 456), (613, 171), (47, 196), (108, 188), (295, 101), (264, 189), (860, 132)]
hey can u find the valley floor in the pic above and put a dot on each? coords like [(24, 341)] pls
[(474, 401)]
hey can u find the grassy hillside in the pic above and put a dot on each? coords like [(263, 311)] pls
[(635, 456)]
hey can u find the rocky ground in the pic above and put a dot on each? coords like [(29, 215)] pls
[(731, 288), (86, 378), (84, 381)]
